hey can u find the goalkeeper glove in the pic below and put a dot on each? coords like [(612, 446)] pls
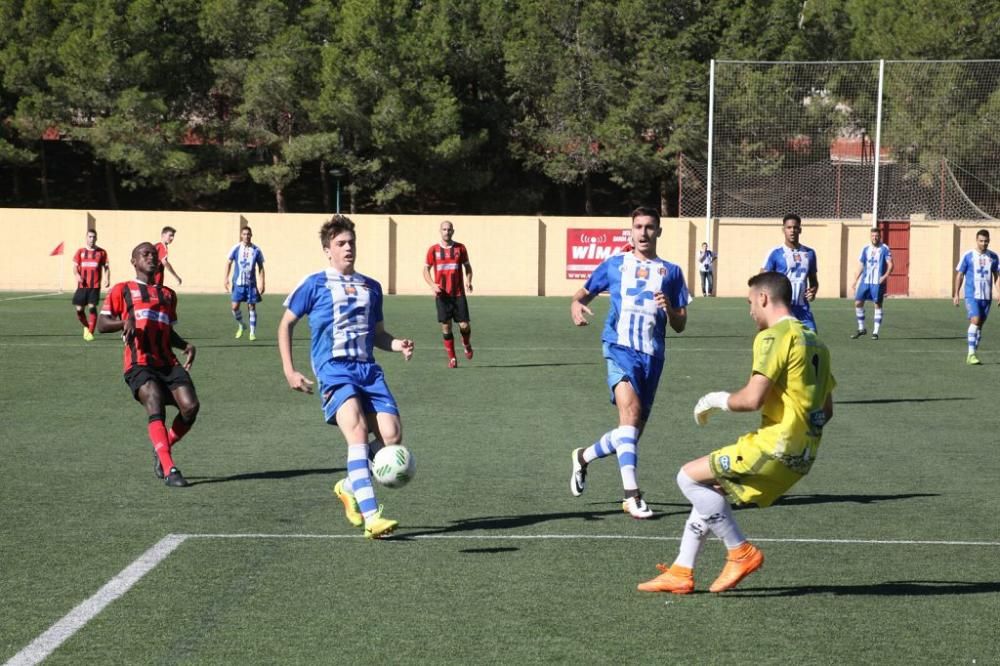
[(708, 403)]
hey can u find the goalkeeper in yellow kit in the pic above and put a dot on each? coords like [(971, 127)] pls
[(792, 385)]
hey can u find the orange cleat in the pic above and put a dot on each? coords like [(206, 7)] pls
[(740, 563), (676, 579)]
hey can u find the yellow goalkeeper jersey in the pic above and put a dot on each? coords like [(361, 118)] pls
[(798, 365)]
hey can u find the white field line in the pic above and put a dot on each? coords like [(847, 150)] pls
[(611, 537), (21, 298), (58, 633), (76, 619)]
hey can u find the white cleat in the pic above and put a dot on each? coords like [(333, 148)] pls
[(637, 507), (578, 480)]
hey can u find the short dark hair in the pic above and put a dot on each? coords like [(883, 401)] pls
[(775, 284), (647, 211), (791, 216), (983, 232), (247, 227), (135, 250), (167, 229), (333, 227)]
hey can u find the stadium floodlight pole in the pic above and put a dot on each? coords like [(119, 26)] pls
[(711, 116), (878, 142)]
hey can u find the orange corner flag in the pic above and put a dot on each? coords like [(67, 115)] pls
[(59, 249)]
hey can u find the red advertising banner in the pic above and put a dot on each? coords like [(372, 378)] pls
[(587, 248)]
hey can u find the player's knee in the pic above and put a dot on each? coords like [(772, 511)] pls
[(189, 411)]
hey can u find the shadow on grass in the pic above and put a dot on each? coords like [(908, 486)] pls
[(912, 588), (488, 551), (502, 523), (792, 500), (273, 475), (889, 401)]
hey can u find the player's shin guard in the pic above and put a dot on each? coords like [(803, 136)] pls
[(158, 436), (178, 429), (449, 344), (859, 314), (625, 440), (253, 321), (695, 532), (238, 316), (972, 337), (599, 449), (92, 320), (713, 508), (361, 479), (82, 318), (878, 321), (466, 336)]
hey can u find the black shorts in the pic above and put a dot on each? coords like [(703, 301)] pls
[(452, 308), (168, 378), (86, 296)]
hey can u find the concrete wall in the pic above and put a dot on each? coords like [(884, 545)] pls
[(510, 255)]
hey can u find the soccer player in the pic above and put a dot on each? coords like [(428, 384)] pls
[(145, 313), (798, 263), (249, 260), (166, 238), (874, 266), (345, 317), (647, 293), (705, 260), (448, 259), (979, 270), (792, 384), (88, 264)]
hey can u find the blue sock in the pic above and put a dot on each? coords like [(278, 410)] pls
[(626, 443), (253, 321), (360, 479), (599, 449)]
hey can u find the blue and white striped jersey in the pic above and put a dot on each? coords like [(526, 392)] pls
[(343, 312), (634, 320), (979, 269), (875, 261), (797, 264), (245, 260)]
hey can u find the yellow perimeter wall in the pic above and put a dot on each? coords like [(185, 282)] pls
[(510, 255)]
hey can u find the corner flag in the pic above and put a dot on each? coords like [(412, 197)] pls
[(59, 249)]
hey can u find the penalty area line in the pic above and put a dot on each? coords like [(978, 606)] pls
[(76, 619), (21, 298)]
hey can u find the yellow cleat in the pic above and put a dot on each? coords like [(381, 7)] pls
[(378, 527), (87, 335), (739, 564), (972, 359), (351, 509), (678, 580), (253, 336)]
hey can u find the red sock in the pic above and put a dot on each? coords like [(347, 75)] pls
[(449, 346), (158, 436), (92, 321), (82, 317), (178, 429)]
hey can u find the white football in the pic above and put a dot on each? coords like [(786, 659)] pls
[(393, 466)]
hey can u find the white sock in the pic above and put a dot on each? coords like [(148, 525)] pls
[(361, 479), (599, 449), (859, 314), (695, 533), (972, 337), (878, 320), (713, 508), (625, 439)]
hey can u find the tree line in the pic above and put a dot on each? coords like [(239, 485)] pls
[(482, 106)]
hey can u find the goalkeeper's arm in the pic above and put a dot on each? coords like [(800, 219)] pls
[(750, 398)]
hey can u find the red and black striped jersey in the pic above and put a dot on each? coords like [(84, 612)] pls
[(161, 254), (155, 310), (91, 265), (448, 263)]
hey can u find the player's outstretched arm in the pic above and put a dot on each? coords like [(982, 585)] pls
[(578, 309), (296, 380), (385, 341), (167, 266), (750, 398)]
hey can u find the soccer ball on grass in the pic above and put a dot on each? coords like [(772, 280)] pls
[(393, 466)]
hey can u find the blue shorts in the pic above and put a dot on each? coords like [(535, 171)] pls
[(640, 370), (246, 294), (870, 292), (805, 315), (978, 308), (339, 381)]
